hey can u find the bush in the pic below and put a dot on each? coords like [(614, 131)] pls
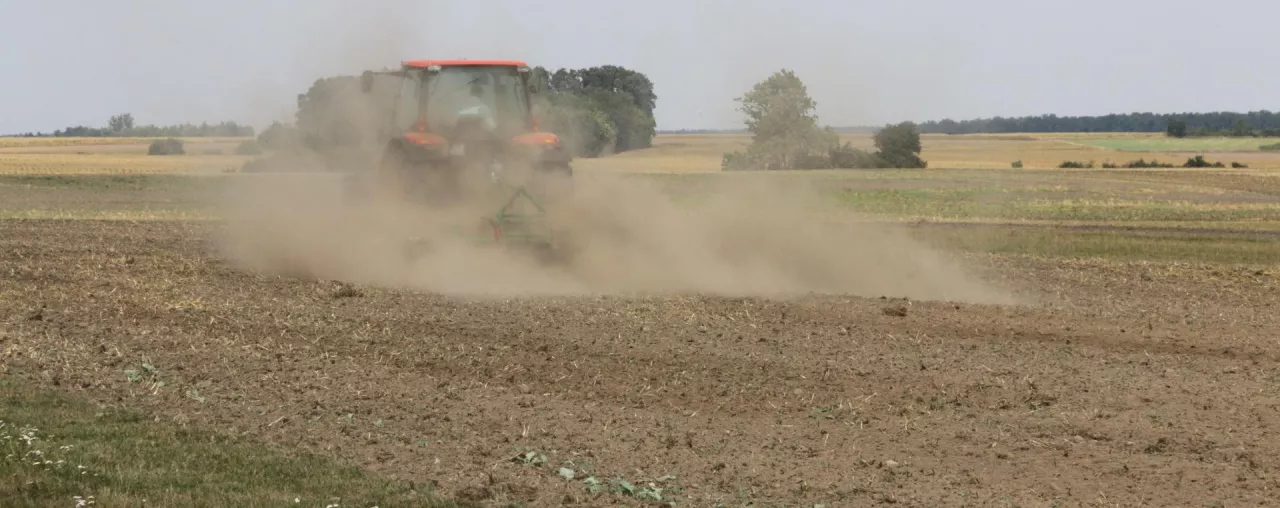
[(1199, 162), (898, 146), (1141, 163), (736, 161), (1075, 165), (847, 157), (805, 160), (249, 148), (1017, 164), (1274, 147), (169, 146), (1109, 165), (1239, 165)]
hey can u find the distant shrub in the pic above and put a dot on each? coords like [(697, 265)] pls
[(1274, 147), (1141, 163), (1109, 165), (1075, 165), (169, 146), (1199, 162), (810, 161), (1239, 165), (845, 156), (1017, 164), (736, 161), (249, 148)]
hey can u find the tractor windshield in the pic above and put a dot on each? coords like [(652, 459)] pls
[(495, 97)]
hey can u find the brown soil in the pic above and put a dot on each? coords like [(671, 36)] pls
[(1129, 384)]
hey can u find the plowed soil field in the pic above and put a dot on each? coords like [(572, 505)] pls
[(1124, 383)]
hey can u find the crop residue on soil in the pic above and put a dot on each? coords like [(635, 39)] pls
[(739, 239), (1149, 376)]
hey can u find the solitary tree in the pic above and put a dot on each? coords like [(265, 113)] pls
[(1176, 128), (784, 129)]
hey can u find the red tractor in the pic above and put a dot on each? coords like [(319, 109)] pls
[(459, 122)]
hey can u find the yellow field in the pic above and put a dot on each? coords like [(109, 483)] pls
[(115, 163), (703, 152), (19, 142), (671, 153), (87, 156)]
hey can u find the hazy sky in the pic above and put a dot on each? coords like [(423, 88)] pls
[(866, 62)]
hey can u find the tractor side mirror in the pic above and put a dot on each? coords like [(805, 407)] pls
[(366, 81)]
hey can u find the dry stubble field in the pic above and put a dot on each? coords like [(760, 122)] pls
[(1139, 368)]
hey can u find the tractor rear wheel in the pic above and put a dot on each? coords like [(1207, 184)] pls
[(390, 178), (423, 182)]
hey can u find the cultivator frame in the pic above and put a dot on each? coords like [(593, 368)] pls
[(509, 227), (522, 232), (525, 232)]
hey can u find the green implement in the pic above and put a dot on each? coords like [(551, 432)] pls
[(510, 226), (524, 230)]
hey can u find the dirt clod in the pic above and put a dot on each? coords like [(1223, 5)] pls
[(896, 311)]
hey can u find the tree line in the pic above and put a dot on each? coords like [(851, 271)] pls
[(1253, 123), (1192, 162), (123, 125)]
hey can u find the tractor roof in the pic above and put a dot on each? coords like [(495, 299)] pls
[(458, 63)]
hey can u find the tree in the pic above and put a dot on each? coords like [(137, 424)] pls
[(598, 110), (279, 136), (635, 129), (616, 79), (120, 123), (1241, 129), (335, 115), (784, 129), (898, 146), (1176, 128), (585, 128)]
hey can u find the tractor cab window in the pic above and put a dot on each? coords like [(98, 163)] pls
[(406, 107), (493, 96)]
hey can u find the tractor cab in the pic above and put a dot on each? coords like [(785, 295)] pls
[(451, 104)]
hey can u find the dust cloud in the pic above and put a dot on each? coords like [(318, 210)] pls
[(737, 237), (766, 236)]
